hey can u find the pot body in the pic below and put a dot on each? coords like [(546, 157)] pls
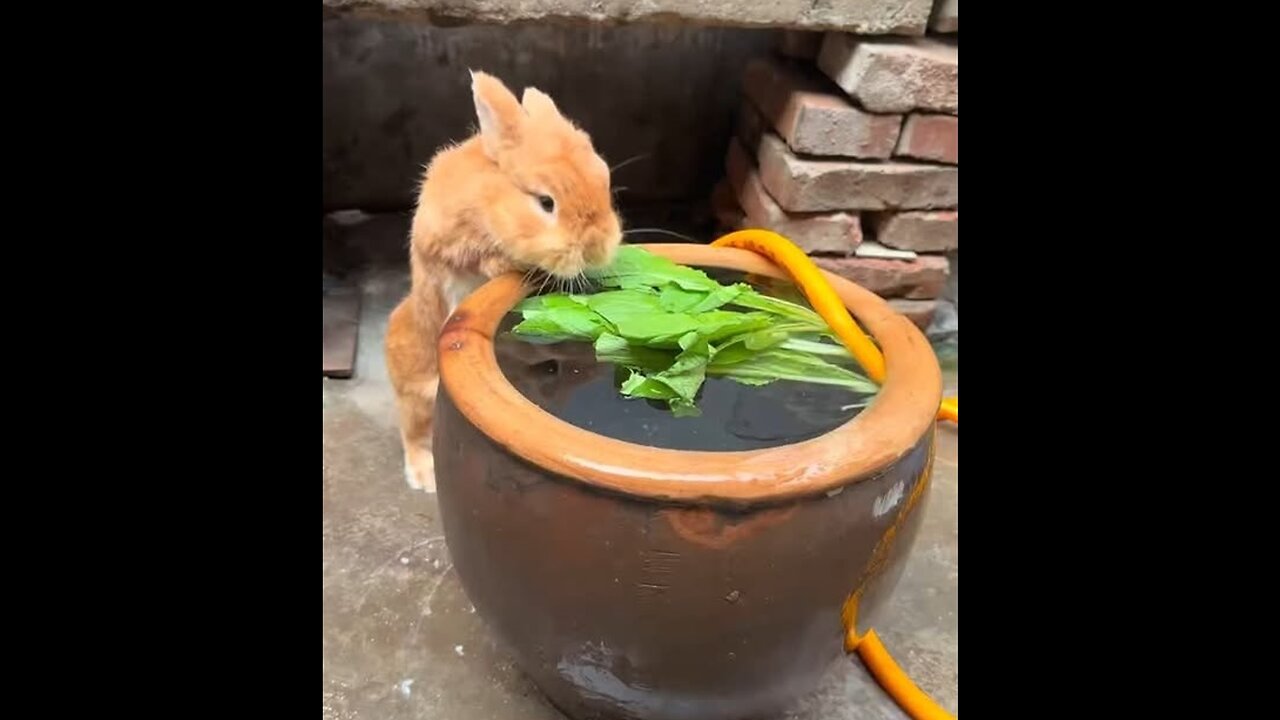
[(620, 606)]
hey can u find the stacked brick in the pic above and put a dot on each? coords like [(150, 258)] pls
[(848, 146)]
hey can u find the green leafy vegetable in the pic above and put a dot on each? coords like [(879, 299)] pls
[(677, 299), (615, 349), (671, 328), (783, 364), (635, 267)]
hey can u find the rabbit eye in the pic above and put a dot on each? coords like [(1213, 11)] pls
[(548, 204)]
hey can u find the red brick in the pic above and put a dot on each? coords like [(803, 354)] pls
[(931, 137), (922, 231), (799, 44), (894, 76), (921, 279), (837, 232), (946, 16), (919, 312), (814, 117), (818, 184)]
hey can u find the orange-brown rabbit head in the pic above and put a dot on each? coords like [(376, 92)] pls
[(554, 209)]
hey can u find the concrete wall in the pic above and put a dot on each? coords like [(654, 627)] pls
[(866, 17), (395, 92)]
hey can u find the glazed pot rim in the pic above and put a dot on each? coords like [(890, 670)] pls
[(892, 424)]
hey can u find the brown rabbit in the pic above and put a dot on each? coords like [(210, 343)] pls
[(527, 192)]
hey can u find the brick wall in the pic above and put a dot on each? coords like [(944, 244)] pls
[(848, 146)]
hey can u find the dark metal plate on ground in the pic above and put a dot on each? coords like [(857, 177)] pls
[(341, 328)]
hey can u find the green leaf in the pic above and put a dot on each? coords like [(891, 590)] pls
[(682, 379), (781, 364), (625, 303), (638, 315), (687, 373), (816, 348), (781, 308), (614, 349), (683, 408), (677, 299), (748, 344), (731, 353), (639, 386), (657, 330), (674, 298), (635, 267), (540, 303), (721, 324), (764, 339), (746, 380), (679, 383), (565, 323)]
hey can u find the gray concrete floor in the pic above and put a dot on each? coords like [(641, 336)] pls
[(402, 641)]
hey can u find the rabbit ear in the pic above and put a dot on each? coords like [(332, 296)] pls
[(499, 113), (538, 103)]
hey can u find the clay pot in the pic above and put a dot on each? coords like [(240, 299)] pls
[(637, 582)]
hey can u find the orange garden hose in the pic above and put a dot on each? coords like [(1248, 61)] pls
[(910, 698), (828, 305), (950, 410), (809, 278), (824, 300)]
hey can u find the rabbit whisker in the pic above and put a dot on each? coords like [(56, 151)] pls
[(628, 161), (660, 231)]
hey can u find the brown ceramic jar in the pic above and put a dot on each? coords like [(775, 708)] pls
[(638, 582)]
